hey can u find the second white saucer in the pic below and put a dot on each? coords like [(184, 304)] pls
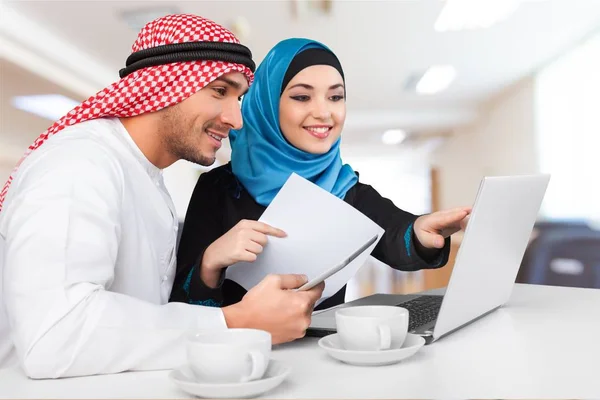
[(333, 346)]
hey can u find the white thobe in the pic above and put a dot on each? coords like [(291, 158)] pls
[(89, 234)]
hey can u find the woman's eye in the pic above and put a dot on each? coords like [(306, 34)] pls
[(337, 98), (300, 98)]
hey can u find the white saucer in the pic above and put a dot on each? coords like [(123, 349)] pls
[(275, 374), (333, 346)]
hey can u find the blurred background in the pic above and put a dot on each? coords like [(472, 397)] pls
[(440, 94)]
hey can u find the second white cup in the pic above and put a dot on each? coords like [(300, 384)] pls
[(372, 328)]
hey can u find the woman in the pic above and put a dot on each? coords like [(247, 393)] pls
[(293, 117)]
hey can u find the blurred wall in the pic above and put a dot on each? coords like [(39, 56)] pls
[(502, 142)]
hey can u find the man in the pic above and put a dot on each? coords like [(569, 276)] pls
[(89, 227)]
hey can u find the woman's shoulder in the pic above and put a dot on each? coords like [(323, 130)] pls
[(217, 174), (356, 188), (221, 178), (360, 194)]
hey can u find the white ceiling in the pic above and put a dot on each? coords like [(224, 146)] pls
[(82, 45)]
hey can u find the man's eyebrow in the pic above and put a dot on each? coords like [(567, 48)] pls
[(234, 84), (230, 82)]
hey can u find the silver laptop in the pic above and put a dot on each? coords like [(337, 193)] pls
[(486, 266)]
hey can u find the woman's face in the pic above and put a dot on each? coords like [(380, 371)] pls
[(312, 109)]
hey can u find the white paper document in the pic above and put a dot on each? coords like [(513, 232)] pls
[(322, 230)]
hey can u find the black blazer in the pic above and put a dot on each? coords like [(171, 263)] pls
[(219, 202)]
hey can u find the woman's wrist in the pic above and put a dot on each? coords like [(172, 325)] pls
[(210, 272)]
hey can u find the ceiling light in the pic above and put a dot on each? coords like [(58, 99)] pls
[(436, 79), (304, 7), (393, 136), (473, 14), (50, 106)]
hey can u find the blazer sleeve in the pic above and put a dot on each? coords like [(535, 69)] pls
[(203, 225), (397, 246)]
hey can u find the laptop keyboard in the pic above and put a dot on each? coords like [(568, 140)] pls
[(422, 310)]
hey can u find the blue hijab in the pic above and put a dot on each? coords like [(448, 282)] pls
[(261, 158)]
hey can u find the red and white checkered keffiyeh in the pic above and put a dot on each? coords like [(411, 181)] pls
[(153, 88)]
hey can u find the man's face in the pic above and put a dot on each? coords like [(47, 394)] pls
[(193, 129)]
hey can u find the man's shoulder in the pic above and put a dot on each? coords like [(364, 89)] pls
[(96, 132), (72, 151), (76, 153), (83, 143)]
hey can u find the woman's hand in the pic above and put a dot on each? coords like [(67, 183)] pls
[(432, 229), (244, 242)]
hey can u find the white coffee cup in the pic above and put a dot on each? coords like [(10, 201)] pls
[(230, 356), (372, 328)]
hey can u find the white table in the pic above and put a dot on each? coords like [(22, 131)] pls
[(545, 343)]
